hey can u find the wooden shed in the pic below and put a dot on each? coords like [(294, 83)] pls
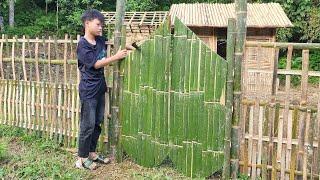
[(209, 21)]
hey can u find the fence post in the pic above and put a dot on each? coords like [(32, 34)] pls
[(114, 123), (229, 96), (241, 15)]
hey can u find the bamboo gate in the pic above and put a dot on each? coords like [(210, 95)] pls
[(173, 94)]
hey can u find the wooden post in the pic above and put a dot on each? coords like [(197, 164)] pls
[(114, 123), (229, 96), (241, 15)]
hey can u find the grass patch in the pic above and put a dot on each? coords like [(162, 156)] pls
[(31, 157), (28, 156), (3, 149)]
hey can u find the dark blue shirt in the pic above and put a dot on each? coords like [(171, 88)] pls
[(92, 83)]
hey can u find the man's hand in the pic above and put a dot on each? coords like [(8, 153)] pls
[(129, 47), (105, 61), (121, 54)]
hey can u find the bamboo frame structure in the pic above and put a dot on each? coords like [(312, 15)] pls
[(285, 126), (141, 22)]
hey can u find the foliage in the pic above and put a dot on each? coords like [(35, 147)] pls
[(31, 18)]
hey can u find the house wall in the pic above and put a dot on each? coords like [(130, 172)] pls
[(258, 62)]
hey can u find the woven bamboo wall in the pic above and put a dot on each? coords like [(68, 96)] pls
[(173, 103), (258, 65)]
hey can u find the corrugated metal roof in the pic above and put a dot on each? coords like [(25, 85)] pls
[(216, 15)]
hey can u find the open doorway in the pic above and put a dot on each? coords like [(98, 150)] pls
[(222, 47)]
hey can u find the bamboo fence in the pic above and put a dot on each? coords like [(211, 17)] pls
[(279, 137), (39, 87)]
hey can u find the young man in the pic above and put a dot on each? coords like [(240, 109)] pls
[(91, 60)]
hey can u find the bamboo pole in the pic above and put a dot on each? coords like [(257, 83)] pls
[(5, 106), (229, 96), (23, 59), (43, 53), (37, 61), (283, 45), (12, 60), (1, 104), (241, 14), (304, 77), (72, 56), (17, 95), (42, 61), (1, 57), (287, 117), (65, 60), (114, 139), (49, 59), (317, 161), (73, 129)]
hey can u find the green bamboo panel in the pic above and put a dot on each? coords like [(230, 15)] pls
[(172, 106)]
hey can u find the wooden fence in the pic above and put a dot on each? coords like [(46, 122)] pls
[(280, 134), (39, 86)]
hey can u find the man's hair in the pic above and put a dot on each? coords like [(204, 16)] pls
[(90, 15)]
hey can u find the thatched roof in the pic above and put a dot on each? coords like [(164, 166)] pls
[(265, 15)]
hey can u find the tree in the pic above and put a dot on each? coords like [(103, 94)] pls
[(11, 13)]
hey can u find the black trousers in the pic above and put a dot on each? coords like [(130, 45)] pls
[(91, 117)]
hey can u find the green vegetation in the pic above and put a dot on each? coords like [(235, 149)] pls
[(56, 17)]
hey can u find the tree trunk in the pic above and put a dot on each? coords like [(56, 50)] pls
[(11, 13), (1, 24), (46, 7)]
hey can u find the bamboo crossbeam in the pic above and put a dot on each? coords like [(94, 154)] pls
[(288, 72), (42, 61), (309, 46)]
